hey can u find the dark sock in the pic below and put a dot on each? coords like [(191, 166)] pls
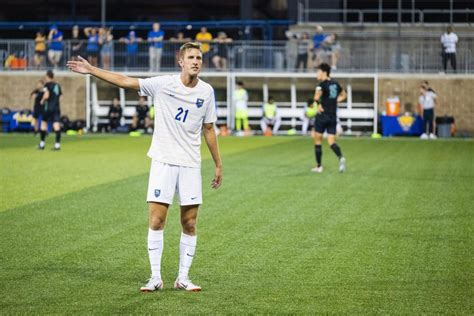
[(43, 135), (58, 137), (336, 150), (319, 153)]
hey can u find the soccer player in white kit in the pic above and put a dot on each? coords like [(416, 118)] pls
[(184, 106)]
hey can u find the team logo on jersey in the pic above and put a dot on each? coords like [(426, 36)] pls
[(199, 102), (157, 192)]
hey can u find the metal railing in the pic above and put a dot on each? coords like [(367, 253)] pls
[(410, 55), (383, 15)]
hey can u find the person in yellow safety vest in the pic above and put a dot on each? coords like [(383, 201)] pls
[(309, 116), (270, 116), (241, 98)]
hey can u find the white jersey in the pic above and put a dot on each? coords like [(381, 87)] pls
[(449, 42), (427, 100), (179, 115)]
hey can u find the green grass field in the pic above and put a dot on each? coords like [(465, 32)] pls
[(392, 235)]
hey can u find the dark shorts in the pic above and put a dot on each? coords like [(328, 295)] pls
[(37, 111), (52, 116), (326, 122), (37, 114)]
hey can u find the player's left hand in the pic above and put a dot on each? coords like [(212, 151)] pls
[(320, 109), (217, 181)]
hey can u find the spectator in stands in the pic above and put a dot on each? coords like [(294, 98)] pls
[(155, 38), (270, 117), (303, 45), (331, 49), (309, 116), (427, 102), (241, 98), (318, 40), (141, 119), (220, 51), (115, 114), (179, 39), (92, 48), (76, 43), (449, 41), (40, 49), (106, 44), (55, 39), (291, 51), (204, 37), (132, 48)]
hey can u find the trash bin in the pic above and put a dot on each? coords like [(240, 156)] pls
[(444, 125)]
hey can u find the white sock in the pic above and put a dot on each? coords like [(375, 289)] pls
[(155, 250), (187, 249)]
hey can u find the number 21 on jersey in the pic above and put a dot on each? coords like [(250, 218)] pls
[(179, 116)]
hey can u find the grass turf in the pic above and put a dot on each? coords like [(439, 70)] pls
[(392, 235)]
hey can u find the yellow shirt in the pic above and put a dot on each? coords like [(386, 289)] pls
[(40, 43), (201, 37)]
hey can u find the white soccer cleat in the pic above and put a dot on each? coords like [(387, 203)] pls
[(186, 285), (317, 169), (152, 285), (433, 136), (342, 164), (424, 136)]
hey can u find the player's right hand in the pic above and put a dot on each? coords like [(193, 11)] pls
[(217, 181), (81, 65), (320, 109)]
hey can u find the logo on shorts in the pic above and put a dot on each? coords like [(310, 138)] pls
[(157, 192), (199, 102)]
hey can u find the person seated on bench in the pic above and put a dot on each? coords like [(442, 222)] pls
[(115, 114), (270, 117), (141, 119), (309, 116)]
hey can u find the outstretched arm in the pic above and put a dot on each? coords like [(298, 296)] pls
[(211, 141), (82, 66)]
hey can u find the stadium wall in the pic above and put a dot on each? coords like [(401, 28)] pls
[(455, 93), (15, 89)]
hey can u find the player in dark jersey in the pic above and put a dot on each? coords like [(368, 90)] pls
[(328, 93), (37, 94), (141, 118), (51, 110)]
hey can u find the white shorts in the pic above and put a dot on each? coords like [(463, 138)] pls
[(166, 179)]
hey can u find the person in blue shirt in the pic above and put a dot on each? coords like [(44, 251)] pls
[(131, 42), (318, 40), (155, 38), (55, 40), (92, 47)]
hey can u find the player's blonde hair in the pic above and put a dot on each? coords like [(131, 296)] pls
[(189, 45)]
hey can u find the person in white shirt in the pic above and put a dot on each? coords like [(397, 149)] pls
[(427, 102), (184, 106), (449, 41)]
